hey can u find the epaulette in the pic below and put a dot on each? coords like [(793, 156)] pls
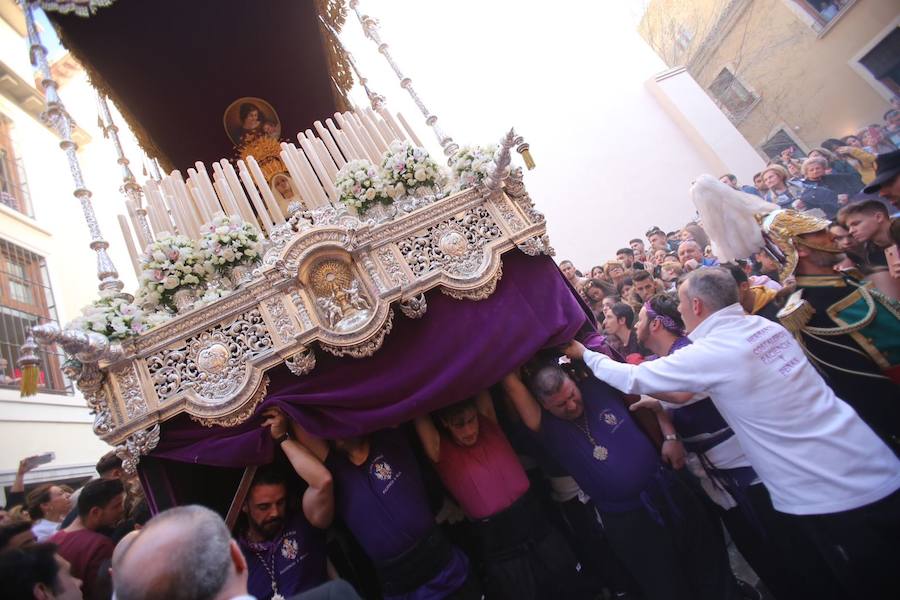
[(796, 313)]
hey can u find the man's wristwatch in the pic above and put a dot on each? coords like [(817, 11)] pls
[(283, 438), (670, 437)]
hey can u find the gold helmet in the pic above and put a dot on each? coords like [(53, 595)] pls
[(785, 229)]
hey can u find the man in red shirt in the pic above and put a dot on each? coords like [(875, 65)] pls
[(526, 558), (101, 505)]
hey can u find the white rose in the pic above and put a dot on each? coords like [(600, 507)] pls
[(370, 194), (171, 282)]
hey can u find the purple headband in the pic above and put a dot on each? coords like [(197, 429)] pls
[(666, 320)]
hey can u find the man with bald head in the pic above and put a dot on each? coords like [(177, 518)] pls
[(187, 553), (690, 255)]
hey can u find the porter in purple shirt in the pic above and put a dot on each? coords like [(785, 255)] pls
[(628, 460), (296, 557), (382, 500)]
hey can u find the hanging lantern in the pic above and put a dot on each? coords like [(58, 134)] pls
[(28, 365)]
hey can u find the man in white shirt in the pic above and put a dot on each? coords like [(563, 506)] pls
[(823, 466)]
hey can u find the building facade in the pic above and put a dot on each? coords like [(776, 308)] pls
[(786, 72), (47, 271)]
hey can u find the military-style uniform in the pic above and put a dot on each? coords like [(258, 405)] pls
[(851, 333)]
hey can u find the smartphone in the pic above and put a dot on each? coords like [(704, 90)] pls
[(892, 255), (41, 459)]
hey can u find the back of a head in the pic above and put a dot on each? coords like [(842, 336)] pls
[(666, 305), (98, 493), (36, 497), (181, 554), (10, 530), (715, 286), (108, 463), (623, 311), (23, 568), (736, 272), (546, 380)]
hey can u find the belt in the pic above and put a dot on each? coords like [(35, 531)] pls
[(513, 528)]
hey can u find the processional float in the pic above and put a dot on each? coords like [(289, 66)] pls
[(328, 281)]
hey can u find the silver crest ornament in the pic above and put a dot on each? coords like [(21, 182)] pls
[(289, 548), (383, 471)]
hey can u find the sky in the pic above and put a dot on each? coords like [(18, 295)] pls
[(570, 77)]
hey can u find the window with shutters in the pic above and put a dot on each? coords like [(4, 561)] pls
[(732, 95), (883, 60), (26, 299), (13, 187)]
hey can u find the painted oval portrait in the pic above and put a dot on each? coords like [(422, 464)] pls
[(249, 118)]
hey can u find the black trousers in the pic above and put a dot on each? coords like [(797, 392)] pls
[(789, 565), (682, 559), (862, 546)]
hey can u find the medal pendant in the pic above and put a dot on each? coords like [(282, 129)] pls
[(600, 453), (278, 596)]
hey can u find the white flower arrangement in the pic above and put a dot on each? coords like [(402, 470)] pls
[(406, 167), (167, 265), (116, 318), (472, 164), (228, 242), (210, 296), (360, 185)]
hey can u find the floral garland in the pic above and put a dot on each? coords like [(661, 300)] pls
[(472, 164), (360, 185), (228, 242), (167, 265), (406, 167), (114, 317)]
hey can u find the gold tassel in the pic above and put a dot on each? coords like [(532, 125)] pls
[(28, 386), (524, 150), (28, 365), (797, 313)]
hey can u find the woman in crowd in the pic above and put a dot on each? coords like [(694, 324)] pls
[(862, 161), (782, 191)]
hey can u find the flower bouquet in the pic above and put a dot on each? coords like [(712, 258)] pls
[(471, 164), (114, 317), (230, 246), (360, 186), (407, 169), (170, 265)]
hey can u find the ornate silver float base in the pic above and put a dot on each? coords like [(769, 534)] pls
[(241, 274)]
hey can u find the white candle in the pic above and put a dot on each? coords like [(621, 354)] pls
[(322, 154), (342, 141), (412, 134), (240, 203), (262, 184), (301, 163), (205, 186), (348, 130), (129, 243), (324, 178), (236, 188), (200, 209), (384, 129), (136, 224), (330, 144), (369, 126), (363, 136), (300, 179), (251, 189), (399, 134), (197, 189)]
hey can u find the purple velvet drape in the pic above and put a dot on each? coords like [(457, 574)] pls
[(457, 349)]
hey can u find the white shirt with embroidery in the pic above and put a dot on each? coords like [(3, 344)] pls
[(809, 447)]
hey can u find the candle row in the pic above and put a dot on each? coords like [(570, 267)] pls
[(183, 205)]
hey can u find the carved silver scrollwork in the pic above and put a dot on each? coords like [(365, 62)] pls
[(392, 266), (302, 362), (212, 363), (481, 292), (415, 307), (539, 244), (130, 390), (455, 246), (515, 189), (367, 348), (282, 319), (244, 412), (135, 446)]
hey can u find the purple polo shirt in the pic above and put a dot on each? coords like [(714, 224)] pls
[(614, 484), (382, 500), (298, 553)]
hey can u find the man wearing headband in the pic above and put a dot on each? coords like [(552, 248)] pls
[(717, 460)]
